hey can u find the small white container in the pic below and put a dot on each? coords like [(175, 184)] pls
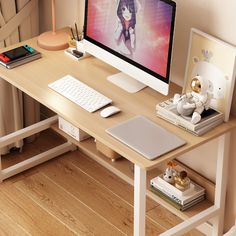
[(71, 130), (80, 46)]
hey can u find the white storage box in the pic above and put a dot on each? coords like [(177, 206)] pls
[(71, 130)]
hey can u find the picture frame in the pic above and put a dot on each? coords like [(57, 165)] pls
[(215, 60)]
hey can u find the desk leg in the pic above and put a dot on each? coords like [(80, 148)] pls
[(221, 182), (139, 201)]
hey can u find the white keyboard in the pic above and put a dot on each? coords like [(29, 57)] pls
[(80, 93)]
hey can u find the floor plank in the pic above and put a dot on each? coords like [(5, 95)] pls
[(95, 196), (168, 220), (8, 226), (77, 216), (29, 215), (107, 179)]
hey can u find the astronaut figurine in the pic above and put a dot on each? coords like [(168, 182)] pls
[(195, 102)]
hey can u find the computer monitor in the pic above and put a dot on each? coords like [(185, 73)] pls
[(134, 36)]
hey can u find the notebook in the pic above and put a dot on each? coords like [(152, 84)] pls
[(146, 137)]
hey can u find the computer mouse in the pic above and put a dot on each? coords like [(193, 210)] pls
[(108, 111)]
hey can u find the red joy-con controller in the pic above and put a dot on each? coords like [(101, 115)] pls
[(4, 58)]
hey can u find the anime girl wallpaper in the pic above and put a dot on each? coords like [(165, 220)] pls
[(125, 31), (136, 29)]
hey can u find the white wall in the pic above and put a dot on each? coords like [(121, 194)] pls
[(215, 17), (67, 13)]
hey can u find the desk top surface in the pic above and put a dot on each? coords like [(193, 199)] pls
[(33, 79)]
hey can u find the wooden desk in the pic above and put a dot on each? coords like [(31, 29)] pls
[(33, 79)]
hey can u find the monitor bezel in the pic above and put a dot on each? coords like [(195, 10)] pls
[(121, 62)]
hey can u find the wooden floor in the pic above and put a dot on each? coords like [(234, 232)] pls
[(71, 195)]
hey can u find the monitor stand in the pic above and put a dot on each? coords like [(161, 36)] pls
[(126, 82)]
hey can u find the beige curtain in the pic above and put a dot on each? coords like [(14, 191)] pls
[(18, 22)]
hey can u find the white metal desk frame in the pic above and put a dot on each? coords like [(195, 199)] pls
[(216, 211)]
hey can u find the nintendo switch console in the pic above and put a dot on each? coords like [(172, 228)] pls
[(18, 56)]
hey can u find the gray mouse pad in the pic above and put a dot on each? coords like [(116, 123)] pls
[(145, 137)]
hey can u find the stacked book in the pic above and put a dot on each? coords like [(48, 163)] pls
[(180, 199), (210, 118)]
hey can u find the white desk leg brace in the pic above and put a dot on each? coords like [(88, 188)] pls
[(221, 182), (139, 201), (35, 160)]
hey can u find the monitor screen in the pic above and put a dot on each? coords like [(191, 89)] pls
[(139, 32)]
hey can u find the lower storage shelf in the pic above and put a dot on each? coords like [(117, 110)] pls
[(124, 169)]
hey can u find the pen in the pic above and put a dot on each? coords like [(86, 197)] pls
[(83, 31), (76, 31), (72, 33)]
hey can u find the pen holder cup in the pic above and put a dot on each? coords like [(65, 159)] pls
[(80, 46)]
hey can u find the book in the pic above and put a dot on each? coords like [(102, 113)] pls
[(18, 56), (168, 108), (178, 192), (172, 192), (176, 198), (210, 118), (166, 198), (174, 203), (198, 132)]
